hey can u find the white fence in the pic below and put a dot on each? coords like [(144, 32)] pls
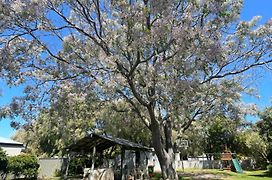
[(188, 164), (49, 166)]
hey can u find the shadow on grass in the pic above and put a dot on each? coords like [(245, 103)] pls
[(264, 174), (204, 175), (157, 176)]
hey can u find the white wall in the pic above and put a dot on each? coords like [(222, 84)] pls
[(12, 150), (49, 166), (192, 163)]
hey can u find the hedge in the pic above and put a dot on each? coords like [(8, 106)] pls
[(269, 169), (23, 165), (3, 164)]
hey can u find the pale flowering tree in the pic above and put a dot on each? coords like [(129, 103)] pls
[(176, 60)]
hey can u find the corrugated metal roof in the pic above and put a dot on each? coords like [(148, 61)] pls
[(9, 141), (102, 142)]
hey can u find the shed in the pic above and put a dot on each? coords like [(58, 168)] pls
[(102, 142), (94, 143)]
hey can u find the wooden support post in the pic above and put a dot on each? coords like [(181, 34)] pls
[(122, 163), (67, 166), (93, 158)]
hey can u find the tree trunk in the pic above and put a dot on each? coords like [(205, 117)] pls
[(165, 156)]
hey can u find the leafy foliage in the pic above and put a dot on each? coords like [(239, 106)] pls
[(253, 145), (119, 120), (48, 137), (264, 127), (269, 169), (173, 61), (197, 140), (25, 164), (71, 116), (3, 163), (77, 165), (265, 123), (221, 133), (57, 173)]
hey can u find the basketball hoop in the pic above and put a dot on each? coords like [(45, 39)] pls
[(182, 144)]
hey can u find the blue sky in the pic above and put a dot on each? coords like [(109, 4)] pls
[(263, 84)]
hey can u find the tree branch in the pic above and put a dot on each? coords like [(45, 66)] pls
[(135, 108)]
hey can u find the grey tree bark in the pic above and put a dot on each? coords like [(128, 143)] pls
[(164, 151)]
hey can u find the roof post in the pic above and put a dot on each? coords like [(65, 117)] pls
[(122, 163), (93, 158), (67, 166)]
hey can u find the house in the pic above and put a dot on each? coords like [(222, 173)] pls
[(12, 148)]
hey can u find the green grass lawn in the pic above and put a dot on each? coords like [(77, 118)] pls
[(228, 175), (215, 174), (251, 175)]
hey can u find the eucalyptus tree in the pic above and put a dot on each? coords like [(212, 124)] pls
[(118, 119), (176, 60), (71, 115)]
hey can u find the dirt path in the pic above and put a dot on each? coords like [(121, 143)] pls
[(204, 175)]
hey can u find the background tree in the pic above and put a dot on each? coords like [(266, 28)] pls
[(176, 60), (264, 127), (253, 145), (119, 120), (197, 140), (221, 134), (215, 135), (71, 116)]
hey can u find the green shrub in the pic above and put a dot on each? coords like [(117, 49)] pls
[(3, 164), (77, 164), (26, 165), (269, 169), (57, 173)]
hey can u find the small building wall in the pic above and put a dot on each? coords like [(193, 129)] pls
[(129, 160), (49, 166), (12, 150)]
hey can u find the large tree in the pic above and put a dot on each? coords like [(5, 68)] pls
[(173, 60)]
